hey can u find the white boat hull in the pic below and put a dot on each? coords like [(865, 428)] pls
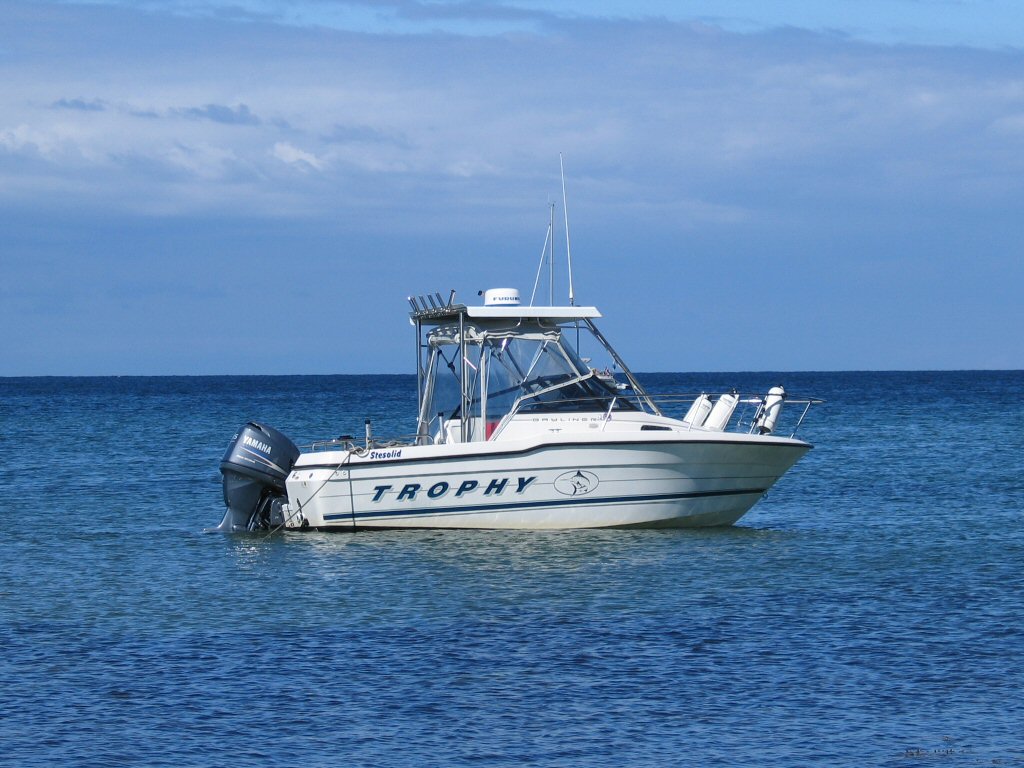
[(670, 480)]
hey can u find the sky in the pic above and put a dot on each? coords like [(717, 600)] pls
[(255, 186)]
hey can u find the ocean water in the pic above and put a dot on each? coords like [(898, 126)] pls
[(868, 612)]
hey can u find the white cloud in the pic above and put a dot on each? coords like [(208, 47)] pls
[(287, 153), (705, 116), (201, 161), (803, 171)]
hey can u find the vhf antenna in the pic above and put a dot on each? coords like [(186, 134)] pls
[(565, 212)]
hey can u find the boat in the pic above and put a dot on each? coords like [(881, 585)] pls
[(515, 430)]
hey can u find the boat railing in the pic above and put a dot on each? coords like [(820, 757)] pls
[(349, 443), (673, 405), (744, 418), (749, 407)]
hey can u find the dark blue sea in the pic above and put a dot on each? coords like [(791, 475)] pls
[(868, 612)]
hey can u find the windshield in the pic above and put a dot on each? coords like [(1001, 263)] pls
[(532, 367)]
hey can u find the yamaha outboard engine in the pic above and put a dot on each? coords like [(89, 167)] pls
[(255, 467)]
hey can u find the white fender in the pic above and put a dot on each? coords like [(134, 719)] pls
[(768, 414), (699, 411), (719, 417)]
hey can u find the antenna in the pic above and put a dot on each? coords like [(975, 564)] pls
[(543, 253), (551, 258), (565, 211)]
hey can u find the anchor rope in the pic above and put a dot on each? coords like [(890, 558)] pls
[(355, 449)]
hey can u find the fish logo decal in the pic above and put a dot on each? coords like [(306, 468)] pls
[(576, 483)]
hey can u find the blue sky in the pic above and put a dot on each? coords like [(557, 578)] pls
[(198, 187)]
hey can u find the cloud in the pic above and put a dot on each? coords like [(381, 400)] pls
[(681, 117), (286, 153), (981, 23), (387, 16), (463, 9), (363, 134), (80, 104), (775, 185), (219, 113)]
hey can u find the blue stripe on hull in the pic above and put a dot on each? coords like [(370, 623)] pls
[(471, 508)]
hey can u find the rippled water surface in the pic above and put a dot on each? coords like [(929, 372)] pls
[(870, 611)]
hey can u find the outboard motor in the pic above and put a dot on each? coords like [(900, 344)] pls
[(255, 467)]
